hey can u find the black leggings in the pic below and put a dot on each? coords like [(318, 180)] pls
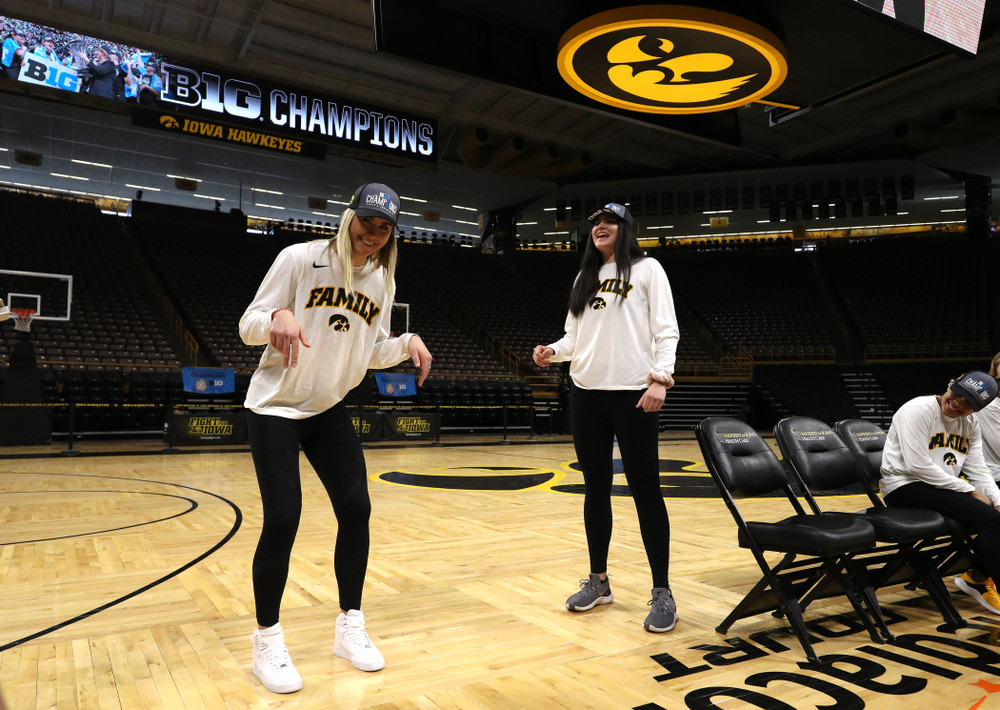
[(974, 514), (331, 445), (598, 416)]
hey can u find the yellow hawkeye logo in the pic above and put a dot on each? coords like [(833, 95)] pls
[(671, 59), (674, 80)]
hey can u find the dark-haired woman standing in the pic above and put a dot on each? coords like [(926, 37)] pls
[(621, 340)]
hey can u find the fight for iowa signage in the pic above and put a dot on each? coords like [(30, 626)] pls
[(67, 61)]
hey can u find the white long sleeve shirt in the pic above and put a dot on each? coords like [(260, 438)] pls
[(628, 331), (925, 445), (348, 333), (989, 425)]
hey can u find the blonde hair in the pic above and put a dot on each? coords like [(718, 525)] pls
[(340, 248), (995, 365)]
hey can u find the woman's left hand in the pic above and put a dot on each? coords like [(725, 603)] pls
[(421, 357), (652, 398)]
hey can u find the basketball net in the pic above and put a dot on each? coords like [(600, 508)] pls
[(22, 318)]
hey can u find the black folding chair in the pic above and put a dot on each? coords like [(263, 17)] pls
[(816, 548), (820, 462), (951, 553)]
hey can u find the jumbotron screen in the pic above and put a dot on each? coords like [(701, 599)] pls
[(71, 62), (957, 22)]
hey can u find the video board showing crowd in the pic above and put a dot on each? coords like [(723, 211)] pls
[(217, 98), (41, 55), (957, 22)]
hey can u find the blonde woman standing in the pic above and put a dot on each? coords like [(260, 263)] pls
[(323, 311)]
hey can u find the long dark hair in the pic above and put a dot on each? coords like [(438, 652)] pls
[(627, 252)]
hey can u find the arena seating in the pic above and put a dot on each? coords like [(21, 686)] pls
[(113, 317), (767, 301), (483, 288), (210, 268), (903, 294), (455, 352), (816, 390)]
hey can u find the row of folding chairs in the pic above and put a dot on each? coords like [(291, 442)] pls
[(827, 554)]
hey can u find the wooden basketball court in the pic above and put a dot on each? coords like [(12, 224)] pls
[(125, 582)]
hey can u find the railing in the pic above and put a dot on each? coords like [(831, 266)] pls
[(786, 353), (738, 366), (125, 367), (929, 351), (544, 383), (156, 287)]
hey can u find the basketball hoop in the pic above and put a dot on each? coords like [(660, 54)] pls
[(22, 318)]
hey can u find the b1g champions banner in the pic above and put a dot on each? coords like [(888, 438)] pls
[(269, 106), (214, 98)]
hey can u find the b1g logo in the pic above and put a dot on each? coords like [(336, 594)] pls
[(671, 60), (38, 70), (186, 87)]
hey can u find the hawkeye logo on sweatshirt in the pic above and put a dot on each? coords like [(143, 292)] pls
[(337, 297)]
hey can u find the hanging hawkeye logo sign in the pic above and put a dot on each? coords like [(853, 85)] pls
[(671, 59)]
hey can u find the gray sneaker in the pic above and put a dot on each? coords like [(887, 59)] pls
[(663, 614), (593, 591)]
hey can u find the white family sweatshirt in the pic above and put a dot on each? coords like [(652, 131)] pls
[(628, 331), (348, 333), (925, 445)]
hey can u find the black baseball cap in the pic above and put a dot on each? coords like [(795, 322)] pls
[(374, 199), (978, 388), (615, 209)]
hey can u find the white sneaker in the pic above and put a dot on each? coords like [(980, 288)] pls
[(351, 642), (271, 662)]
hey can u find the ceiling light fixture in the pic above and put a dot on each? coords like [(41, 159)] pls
[(87, 162)]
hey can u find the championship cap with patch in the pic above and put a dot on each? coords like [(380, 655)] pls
[(614, 209), (376, 200), (978, 389)]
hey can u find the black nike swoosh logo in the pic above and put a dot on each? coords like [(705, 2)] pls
[(319, 266)]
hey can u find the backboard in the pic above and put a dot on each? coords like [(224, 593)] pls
[(49, 295)]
